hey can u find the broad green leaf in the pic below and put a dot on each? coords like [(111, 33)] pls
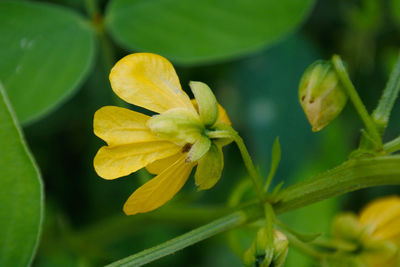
[(198, 31), (21, 193), (46, 51)]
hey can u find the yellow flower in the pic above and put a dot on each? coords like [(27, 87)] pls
[(374, 235), (169, 144), (381, 224), (381, 218)]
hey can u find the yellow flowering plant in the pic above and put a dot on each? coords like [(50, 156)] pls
[(169, 144), (380, 221), (371, 238), (185, 133), (164, 133)]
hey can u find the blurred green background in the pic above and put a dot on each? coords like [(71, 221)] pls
[(54, 63)]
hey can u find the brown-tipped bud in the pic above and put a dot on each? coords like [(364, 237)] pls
[(321, 94)]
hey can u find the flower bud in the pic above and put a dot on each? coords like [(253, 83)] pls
[(281, 248), (347, 227), (259, 255), (321, 94)]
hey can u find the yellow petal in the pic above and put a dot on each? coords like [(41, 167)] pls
[(379, 214), (149, 81), (158, 166), (119, 126), (160, 189), (390, 231), (113, 162), (223, 116)]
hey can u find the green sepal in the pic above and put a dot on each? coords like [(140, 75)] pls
[(199, 149), (177, 125), (222, 134), (206, 101), (300, 236), (209, 169)]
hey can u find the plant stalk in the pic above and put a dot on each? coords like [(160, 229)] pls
[(382, 112), (352, 175), (355, 98)]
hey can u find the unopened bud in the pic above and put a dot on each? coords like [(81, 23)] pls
[(281, 248), (321, 94), (346, 227), (260, 255)]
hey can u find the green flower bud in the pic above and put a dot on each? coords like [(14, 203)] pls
[(321, 94), (346, 227), (178, 125), (207, 103), (281, 248), (259, 255)]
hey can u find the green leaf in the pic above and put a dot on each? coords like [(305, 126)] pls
[(21, 193), (193, 31), (301, 236), (275, 159), (45, 52)]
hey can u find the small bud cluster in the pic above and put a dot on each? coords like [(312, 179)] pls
[(260, 255)]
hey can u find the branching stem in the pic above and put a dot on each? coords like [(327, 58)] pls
[(350, 176)]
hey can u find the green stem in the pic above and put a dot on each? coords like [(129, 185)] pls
[(106, 46), (229, 132), (92, 8), (392, 146), (115, 228), (254, 174), (223, 224), (355, 98), (382, 112), (350, 176)]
